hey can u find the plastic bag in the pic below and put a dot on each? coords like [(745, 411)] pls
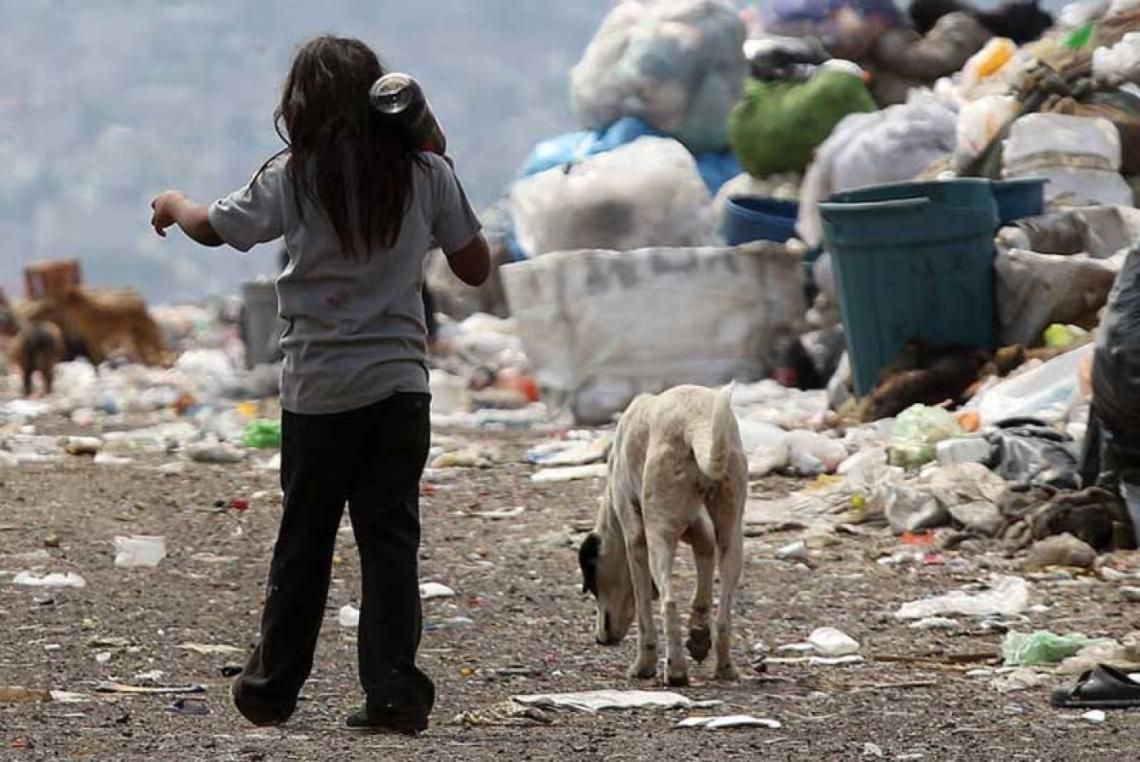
[(1008, 596), (677, 64), (262, 435), (600, 327), (1034, 455), (1120, 63), (1047, 393), (979, 122), (778, 126), (895, 144), (715, 168), (917, 430), (1080, 156), (1020, 649), (647, 193)]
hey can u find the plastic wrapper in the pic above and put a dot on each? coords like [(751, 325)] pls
[(1048, 393), (647, 193), (979, 122), (1020, 649), (1120, 63), (677, 64), (600, 327)]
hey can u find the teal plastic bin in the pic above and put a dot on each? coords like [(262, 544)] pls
[(912, 260)]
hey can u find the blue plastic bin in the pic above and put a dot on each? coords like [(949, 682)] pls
[(912, 260), (752, 218), (1019, 198)]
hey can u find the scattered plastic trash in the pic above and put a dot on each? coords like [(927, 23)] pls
[(431, 590), (935, 623), (964, 450), (730, 721), (835, 661), (110, 459), (569, 474), (55, 579), (449, 623), (796, 551), (215, 453), (1007, 596), (832, 642), (468, 457), (262, 435), (917, 432), (506, 513), (189, 707), (570, 452), (139, 551), (1095, 716), (206, 649), (596, 701), (1040, 647), (145, 690), (349, 616)]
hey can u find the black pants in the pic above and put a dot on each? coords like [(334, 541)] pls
[(372, 459)]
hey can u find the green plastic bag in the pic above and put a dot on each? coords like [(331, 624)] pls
[(1021, 649), (917, 430), (262, 435), (778, 125)]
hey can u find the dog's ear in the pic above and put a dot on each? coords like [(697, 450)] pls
[(588, 560)]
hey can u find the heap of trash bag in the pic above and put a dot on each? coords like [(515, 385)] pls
[(900, 228)]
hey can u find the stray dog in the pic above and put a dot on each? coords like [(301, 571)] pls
[(105, 322), (38, 347), (677, 471)]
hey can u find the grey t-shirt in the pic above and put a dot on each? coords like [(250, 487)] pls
[(355, 330)]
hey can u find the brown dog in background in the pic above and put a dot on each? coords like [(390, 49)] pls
[(37, 349), (105, 322)]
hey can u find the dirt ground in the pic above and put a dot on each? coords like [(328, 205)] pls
[(517, 581)]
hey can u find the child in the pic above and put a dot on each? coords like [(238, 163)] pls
[(359, 206)]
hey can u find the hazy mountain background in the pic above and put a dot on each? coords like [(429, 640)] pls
[(103, 103)]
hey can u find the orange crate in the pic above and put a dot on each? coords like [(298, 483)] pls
[(51, 278)]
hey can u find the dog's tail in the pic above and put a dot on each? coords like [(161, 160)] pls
[(711, 442)]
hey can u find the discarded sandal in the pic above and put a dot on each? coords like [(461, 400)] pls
[(1101, 688)]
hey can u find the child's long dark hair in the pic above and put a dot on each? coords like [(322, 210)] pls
[(355, 165)]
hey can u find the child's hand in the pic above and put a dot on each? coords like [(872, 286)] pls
[(165, 210)]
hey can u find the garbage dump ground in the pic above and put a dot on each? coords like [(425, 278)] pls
[(518, 625)]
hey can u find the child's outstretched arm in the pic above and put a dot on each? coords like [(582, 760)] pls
[(174, 208)]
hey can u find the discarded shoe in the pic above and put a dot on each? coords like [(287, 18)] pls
[(1100, 688)]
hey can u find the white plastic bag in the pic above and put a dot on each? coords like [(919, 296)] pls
[(601, 327), (1080, 156), (979, 122), (892, 145), (1120, 63), (677, 64), (1048, 393), (646, 193), (139, 551), (1009, 596)]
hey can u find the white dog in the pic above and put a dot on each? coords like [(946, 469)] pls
[(677, 471)]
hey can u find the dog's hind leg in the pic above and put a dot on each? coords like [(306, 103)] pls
[(701, 536), (730, 544)]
